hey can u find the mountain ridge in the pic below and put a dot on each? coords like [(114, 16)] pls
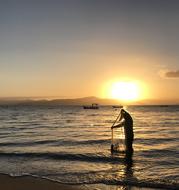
[(82, 101), (66, 101)]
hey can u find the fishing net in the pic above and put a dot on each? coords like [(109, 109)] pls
[(118, 139)]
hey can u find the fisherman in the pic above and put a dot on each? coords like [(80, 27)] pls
[(126, 121)]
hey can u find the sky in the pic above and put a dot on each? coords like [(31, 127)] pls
[(74, 48)]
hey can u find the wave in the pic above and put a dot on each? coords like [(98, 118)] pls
[(156, 152), (155, 140), (27, 143), (138, 183), (160, 184), (55, 142), (64, 156)]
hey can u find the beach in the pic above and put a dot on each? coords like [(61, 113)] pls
[(89, 95), (34, 183), (31, 183)]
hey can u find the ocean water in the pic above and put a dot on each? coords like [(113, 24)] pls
[(72, 146)]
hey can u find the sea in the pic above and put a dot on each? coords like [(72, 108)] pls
[(71, 145)]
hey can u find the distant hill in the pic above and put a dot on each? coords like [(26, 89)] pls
[(76, 101), (81, 101), (85, 101)]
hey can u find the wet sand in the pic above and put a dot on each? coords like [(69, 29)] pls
[(31, 183), (34, 183)]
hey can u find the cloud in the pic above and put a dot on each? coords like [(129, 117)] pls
[(172, 74), (169, 74)]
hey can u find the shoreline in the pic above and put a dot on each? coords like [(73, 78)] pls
[(28, 182), (8, 182)]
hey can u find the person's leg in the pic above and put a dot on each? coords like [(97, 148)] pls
[(129, 145)]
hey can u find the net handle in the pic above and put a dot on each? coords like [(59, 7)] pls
[(112, 132)]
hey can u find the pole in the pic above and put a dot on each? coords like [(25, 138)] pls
[(112, 141), (112, 134)]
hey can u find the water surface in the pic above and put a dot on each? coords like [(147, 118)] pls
[(72, 145)]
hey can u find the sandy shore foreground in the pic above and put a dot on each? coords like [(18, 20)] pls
[(31, 183)]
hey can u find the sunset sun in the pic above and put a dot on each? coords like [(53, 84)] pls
[(125, 91)]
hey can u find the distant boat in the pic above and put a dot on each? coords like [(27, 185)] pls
[(117, 106), (93, 106)]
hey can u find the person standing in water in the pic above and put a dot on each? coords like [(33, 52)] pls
[(127, 123)]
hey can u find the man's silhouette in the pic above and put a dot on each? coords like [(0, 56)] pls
[(127, 123)]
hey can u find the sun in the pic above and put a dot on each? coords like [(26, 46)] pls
[(125, 91)]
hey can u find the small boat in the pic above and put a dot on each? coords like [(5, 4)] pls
[(164, 106), (93, 106), (117, 106)]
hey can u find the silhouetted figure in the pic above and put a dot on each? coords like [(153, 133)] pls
[(127, 123)]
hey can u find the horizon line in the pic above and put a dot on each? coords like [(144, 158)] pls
[(52, 98)]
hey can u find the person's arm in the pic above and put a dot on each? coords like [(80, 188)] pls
[(121, 117), (118, 126)]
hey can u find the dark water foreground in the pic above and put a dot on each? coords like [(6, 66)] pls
[(72, 146)]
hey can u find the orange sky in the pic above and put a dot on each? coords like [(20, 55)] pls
[(77, 49)]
